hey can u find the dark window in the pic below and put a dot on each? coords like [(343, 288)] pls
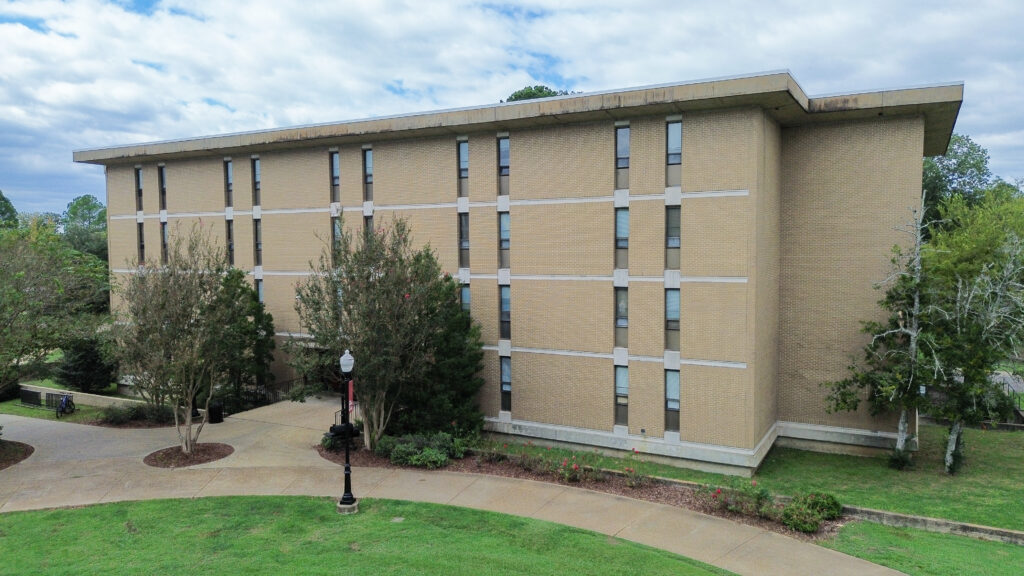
[(163, 243), (674, 143), (161, 176), (622, 147), (621, 317), (672, 400), (230, 236), (622, 238), (255, 181), (504, 239), (368, 225), (506, 383), (464, 240), (142, 243), (335, 177), (621, 395), (464, 297), (505, 315), (259, 290), (672, 227), (503, 156), (367, 175), (672, 319), (257, 240), (138, 189), (463, 159), (229, 184)]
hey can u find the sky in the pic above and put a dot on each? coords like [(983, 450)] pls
[(85, 74)]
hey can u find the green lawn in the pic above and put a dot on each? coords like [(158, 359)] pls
[(921, 553), (80, 415), (301, 535), (986, 491)]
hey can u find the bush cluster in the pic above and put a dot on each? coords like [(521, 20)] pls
[(422, 450), (804, 513), (120, 414)]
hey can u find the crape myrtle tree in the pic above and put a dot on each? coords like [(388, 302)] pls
[(976, 311), (176, 328), (899, 359), (391, 306), (47, 295)]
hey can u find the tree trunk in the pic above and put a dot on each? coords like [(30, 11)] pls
[(952, 444), (901, 432)]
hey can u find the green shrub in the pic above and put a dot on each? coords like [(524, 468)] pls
[(403, 453), (801, 518), (900, 459), (121, 414), (384, 446), (331, 443), (429, 458), (85, 366), (826, 505)]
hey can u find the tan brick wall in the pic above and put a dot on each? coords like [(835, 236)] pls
[(483, 167), (483, 298), (291, 241), (575, 239), (120, 190), (289, 179), (647, 318), (647, 155), (150, 189), (415, 171), (548, 388), (713, 322), (121, 240), (350, 159), (483, 239), (764, 283), (646, 238), (568, 315), (562, 161), (845, 190), (714, 404), (242, 229), (241, 197), (715, 236), (437, 227), (720, 150), (279, 299), (197, 185), (647, 399), (489, 396)]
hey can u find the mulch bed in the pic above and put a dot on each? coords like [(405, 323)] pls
[(173, 457), (668, 493), (13, 452)]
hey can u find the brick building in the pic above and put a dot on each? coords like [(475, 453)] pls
[(673, 268)]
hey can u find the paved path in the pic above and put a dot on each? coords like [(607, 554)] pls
[(79, 465)]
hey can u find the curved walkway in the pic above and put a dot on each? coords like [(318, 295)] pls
[(76, 465)]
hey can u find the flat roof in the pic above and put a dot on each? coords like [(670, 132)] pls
[(777, 92)]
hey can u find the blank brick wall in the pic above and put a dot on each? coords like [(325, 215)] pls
[(563, 390), (562, 161), (288, 179), (415, 171), (574, 239), (569, 315)]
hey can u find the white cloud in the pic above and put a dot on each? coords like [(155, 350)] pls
[(89, 73)]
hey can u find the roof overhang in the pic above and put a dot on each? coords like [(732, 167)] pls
[(776, 92)]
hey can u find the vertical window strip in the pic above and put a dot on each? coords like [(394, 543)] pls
[(506, 383), (621, 307), (163, 243), (230, 237), (672, 400), (161, 174), (622, 147), (463, 240), (257, 237), (672, 226), (505, 313), (368, 175), (229, 184), (335, 177), (504, 239), (463, 155), (621, 396), (142, 243), (503, 156), (256, 177), (138, 189), (259, 291), (464, 297), (674, 143)]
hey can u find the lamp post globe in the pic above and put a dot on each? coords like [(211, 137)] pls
[(348, 503)]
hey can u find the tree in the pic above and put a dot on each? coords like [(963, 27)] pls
[(249, 331), (85, 226), (86, 365), (170, 336), (8, 215), (899, 359), (962, 171), (46, 290), (445, 400), (538, 91), (385, 302), (976, 289)]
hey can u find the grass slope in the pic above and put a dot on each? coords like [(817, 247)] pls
[(80, 415), (300, 535), (920, 553)]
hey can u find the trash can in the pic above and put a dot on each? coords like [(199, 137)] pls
[(216, 413)]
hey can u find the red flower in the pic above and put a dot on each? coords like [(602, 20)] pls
[(565, 461), (504, 445), (407, 296), (753, 482), (575, 466), (715, 496), (719, 491)]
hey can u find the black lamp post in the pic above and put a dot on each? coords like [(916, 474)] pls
[(348, 503)]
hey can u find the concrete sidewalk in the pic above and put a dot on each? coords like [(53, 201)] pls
[(78, 465)]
